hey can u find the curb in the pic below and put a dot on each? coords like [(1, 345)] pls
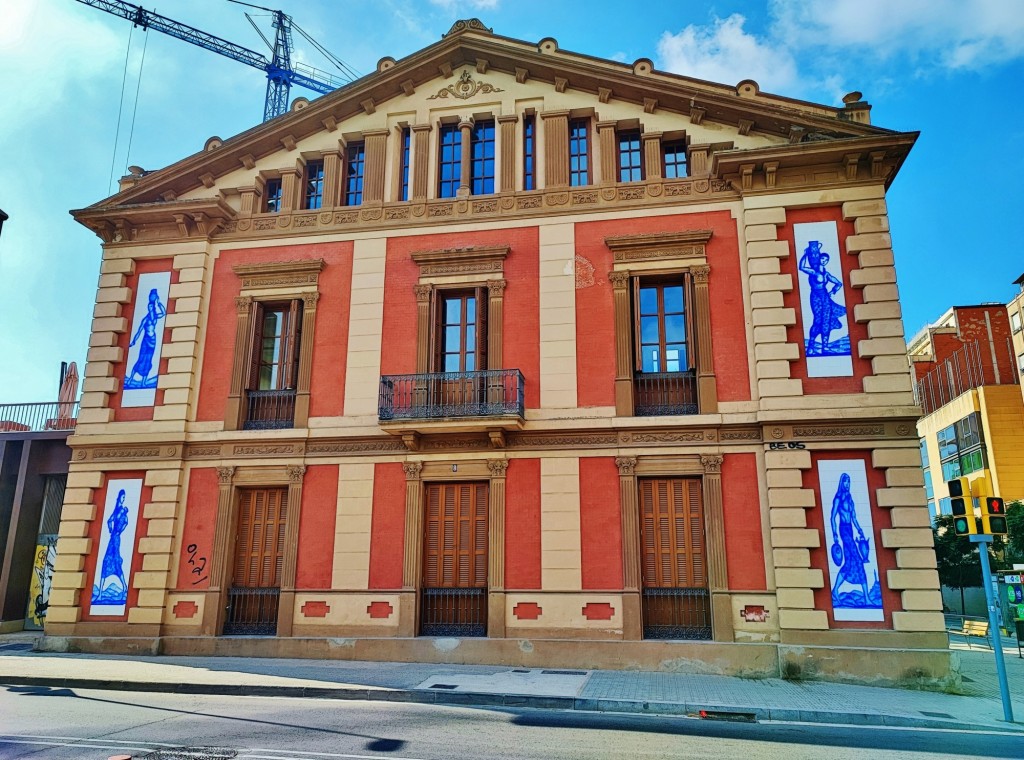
[(472, 699)]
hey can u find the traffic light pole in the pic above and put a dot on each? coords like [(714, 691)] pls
[(993, 623)]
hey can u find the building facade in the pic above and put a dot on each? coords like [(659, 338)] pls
[(513, 347), (968, 384), (1015, 308)]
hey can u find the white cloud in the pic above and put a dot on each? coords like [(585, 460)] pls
[(725, 52), (952, 34)]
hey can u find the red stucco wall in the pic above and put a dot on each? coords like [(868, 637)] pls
[(744, 544), (600, 523)]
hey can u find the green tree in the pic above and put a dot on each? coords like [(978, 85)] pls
[(1015, 531), (956, 558)]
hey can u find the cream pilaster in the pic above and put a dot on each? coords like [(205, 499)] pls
[(362, 374), (557, 316)]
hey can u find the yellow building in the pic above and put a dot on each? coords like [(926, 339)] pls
[(968, 385), (1016, 311)]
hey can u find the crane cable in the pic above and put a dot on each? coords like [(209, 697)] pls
[(120, 107), (135, 108)]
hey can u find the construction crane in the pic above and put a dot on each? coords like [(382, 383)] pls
[(281, 72)]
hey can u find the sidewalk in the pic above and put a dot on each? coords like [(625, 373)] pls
[(590, 690)]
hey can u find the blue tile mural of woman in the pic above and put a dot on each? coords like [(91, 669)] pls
[(139, 376), (113, 563), (826, 312), (850, 554)]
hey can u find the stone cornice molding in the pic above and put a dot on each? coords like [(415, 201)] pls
[(658, 246), (470, 260), (279, 274), (197, 218)]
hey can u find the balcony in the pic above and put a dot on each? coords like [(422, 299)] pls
[(270, 410), (494, 396), (38, 417), (661, 393)]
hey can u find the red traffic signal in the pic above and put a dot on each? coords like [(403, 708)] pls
[(995, 506)]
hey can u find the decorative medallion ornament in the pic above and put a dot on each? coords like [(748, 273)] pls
[(465, 88)]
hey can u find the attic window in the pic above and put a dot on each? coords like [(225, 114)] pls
[(272, 204), (674, 156), (355, 173), (313, 197)]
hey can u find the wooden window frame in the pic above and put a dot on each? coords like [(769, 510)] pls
[(587, 154), (480, 354), (620, 137), (681, 145), (308, 196), (530, 152), (477, 171), (273, 283), (267, 199), (355, 158), (662, 254), (660, 281), (456, 163)]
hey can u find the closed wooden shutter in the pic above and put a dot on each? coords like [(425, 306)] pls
[(455, 551), (672, 533), (255, 346), (292, 335), (259, 543)]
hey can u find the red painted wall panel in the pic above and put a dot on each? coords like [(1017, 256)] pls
[(315, 557), (600, 523), (330, 344), (135, 413), (522, 300), (95, 528), (854, 296), (522, 524), (595, 326), (881, 520), (744, 544), (199, 529), (387, 528)]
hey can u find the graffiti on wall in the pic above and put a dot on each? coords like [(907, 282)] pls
[(117, 544), (849, 540), (41, 580), (822, 300), (142, 369)]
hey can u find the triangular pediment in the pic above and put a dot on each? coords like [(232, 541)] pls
[(472, 71)]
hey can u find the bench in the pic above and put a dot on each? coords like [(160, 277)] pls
[(971, 628)]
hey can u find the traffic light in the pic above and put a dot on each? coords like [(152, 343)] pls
[(962, 506), (993, 516)]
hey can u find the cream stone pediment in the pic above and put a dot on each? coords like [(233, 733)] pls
[(471, 68)]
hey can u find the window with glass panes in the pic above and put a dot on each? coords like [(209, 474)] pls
[(403, 194), (462, 338), (529, 152), (449, 159), (673, 156), (962, 447), (272, 203), (276, 349), (928, 489), (661, 333), (313, 197), (579, 152), (630, 164), (355, 164), (481, 145)]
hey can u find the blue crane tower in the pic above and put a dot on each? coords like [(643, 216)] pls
[(281, 72)]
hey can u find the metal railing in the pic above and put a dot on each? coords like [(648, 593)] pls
[(252, 612), (435, 395), (657, 393), (676, 613), (48, 415), (269, 410), (970, 366), (453, 612)]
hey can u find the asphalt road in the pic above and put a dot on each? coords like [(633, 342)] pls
[(59, 724)]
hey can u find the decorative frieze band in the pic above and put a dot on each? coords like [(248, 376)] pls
[(470, 260), (659, 246), (279, 274)]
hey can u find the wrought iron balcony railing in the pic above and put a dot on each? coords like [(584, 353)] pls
[(270, 410), (49, 415), (659, 393), (439, 395)]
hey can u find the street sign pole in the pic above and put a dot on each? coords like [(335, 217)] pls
[(983, 540)]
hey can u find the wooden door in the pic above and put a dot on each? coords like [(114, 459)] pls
[(259, 558), (455, 560), (673, 559)]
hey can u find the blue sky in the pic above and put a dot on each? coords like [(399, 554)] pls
[(949, 68)]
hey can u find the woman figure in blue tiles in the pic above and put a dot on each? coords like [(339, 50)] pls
[(824, 285), (113, 564), (147, 329), (848, 553)]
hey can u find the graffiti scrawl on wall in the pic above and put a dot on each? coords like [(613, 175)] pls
[(849, 539), (822, 300), (117, 543), (147, 336), (40, 582)]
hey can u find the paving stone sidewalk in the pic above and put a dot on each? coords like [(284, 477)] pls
[(498, 686)]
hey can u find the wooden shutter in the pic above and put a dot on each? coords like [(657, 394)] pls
[(291, 336), (688, 317), (259, 541), (672, 533), (255, 346), (638, 358), (481, 328), (455, 536)]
